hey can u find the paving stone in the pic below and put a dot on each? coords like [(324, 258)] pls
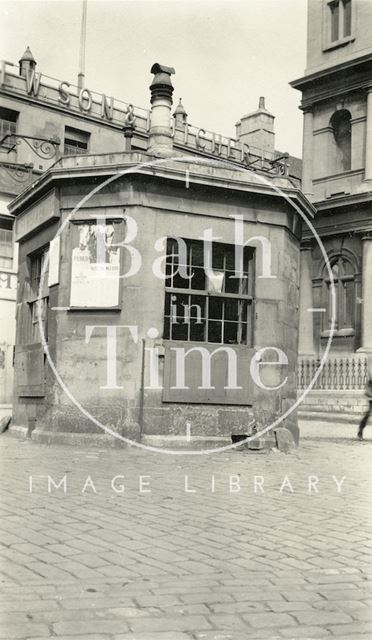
[(176, 623), (85, 627), (258, 620), (195, 567), (155, 636), (24, 630), (90, 636), (323, 617), (306, 633)]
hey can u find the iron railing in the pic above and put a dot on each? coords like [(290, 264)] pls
[(338, 373)]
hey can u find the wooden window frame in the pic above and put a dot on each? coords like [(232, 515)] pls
[(342, 37), (76, 142), (245, 300), (34, 299), (342, 327)]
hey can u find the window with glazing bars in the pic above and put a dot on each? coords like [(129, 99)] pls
[(76, 141), (6, 248), (38, 299), (208, 305), (8, 126), (340, 19)]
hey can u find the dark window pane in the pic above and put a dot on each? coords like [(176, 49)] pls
[(198, 278), (232, 284), (231, 310), (215, 308), (214, 331), (179, 303), (230, 257), (181, 283), (180, 330), (167, 304), (243, 310), (230, 332), (197, 254), (197, 331), (166, 328), (197, 307), (171, 247), (334, 21), (218, 256)]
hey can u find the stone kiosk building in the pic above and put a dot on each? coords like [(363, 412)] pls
[(43, 119), (132, 352)]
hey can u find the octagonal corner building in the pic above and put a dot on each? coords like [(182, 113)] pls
[(158, 290)]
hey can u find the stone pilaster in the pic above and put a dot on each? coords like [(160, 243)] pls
[(368, 157), (306, 328), (366, 345), (307, 159)]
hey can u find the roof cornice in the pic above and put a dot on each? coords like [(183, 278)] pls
[(302, 83), (57, 173)]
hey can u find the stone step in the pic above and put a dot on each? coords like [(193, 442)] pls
[(335, 417)]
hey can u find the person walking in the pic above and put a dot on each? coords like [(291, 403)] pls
[(368, 393)]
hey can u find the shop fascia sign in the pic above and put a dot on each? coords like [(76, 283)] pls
[(84, 97), (198, 137)]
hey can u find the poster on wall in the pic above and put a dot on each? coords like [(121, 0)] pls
[(54, 254), (95, 266)]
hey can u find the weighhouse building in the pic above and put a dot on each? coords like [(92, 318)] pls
[(158, 291)]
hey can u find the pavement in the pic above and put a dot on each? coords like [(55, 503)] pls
[(124, 544)]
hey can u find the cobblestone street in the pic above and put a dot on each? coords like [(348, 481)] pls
[(134, 545)]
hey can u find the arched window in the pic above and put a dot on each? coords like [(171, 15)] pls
[(341, 129), (344, 280)]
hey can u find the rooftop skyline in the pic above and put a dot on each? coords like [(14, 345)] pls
[(226, 53)]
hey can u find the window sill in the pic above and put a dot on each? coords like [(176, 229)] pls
[(204, 343), (339, 43), (92, 309), (341, 333)]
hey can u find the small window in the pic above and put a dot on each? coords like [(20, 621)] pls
[(37, 300), (340, 18), (8, 127), (36, 269), (76, 141), (341, 128), (6, 248), (208, 305)]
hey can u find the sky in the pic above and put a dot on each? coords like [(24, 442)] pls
[(226, 53)]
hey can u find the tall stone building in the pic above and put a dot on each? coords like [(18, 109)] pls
[(337, 177)]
